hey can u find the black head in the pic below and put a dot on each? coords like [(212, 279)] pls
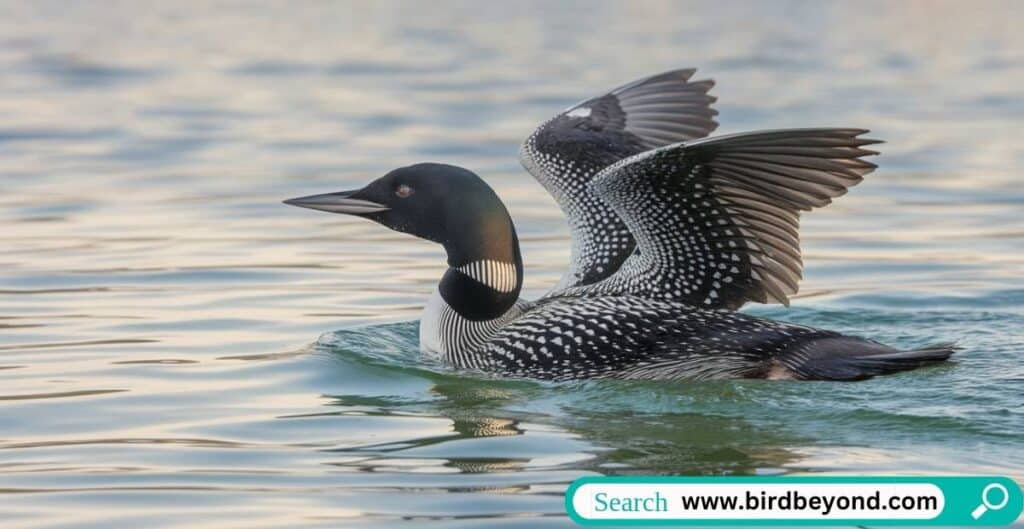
[(441, 203)]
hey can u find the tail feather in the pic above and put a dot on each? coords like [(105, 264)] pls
[(848, 358)]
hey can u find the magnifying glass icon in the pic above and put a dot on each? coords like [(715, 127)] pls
[(987, 505)]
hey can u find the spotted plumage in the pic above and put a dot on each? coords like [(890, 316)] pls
[(716, 220), (671, 233), (565, 153), (633, 337)]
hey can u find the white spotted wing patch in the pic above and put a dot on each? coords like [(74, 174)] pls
[(717, 220), (565, 153)]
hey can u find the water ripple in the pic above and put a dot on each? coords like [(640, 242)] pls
[(62, 394)]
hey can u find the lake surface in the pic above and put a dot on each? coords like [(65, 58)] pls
[(179, 349)]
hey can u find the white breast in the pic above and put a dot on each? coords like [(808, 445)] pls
[(446, 335), (430, 326)]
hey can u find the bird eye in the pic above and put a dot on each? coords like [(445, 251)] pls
[(403, 191)]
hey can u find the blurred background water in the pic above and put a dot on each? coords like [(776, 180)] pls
[(160, 310)]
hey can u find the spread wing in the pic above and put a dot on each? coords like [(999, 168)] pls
[(717, 220), (565, 153)]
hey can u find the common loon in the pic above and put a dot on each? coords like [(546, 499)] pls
[(671, 233)]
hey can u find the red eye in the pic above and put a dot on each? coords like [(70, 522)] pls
[(403, 191)]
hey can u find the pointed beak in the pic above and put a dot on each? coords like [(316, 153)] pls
[(341, 202)]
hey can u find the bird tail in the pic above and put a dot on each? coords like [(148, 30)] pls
[(849, 358)]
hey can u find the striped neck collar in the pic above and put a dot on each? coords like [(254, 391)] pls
[(483, 289), (500, 276)]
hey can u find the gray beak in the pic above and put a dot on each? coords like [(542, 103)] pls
[(337, 203)]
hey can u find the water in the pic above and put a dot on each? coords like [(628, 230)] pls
[(178, 349)]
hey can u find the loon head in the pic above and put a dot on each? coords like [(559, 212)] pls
[(446, 204)]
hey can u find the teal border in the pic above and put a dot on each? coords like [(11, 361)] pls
[(962, 495)]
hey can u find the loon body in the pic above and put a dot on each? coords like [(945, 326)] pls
[(671, 233)]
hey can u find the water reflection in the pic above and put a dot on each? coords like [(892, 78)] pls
[(605, 427)]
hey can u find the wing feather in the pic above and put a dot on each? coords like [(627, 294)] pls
[(716, 220), (568, 151)]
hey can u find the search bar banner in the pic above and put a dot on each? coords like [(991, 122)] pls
[(799, 500)]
